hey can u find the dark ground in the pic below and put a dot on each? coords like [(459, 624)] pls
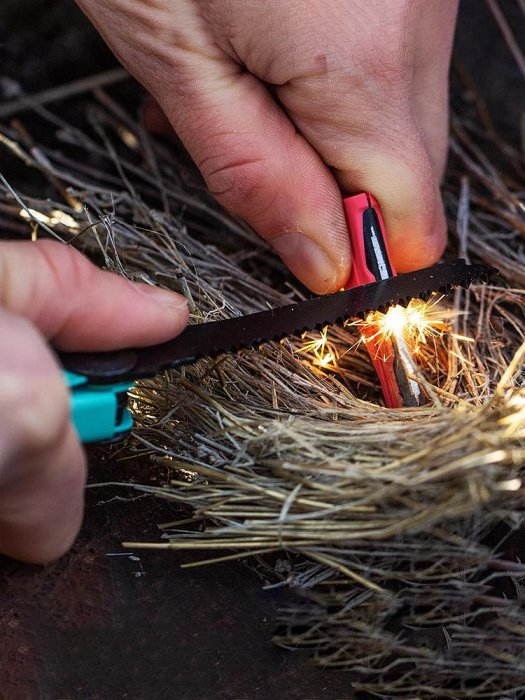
[(103, 623)]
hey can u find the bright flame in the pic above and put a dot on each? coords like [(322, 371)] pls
[(54, 218), (394, 321), (327, 359), (416, 322)]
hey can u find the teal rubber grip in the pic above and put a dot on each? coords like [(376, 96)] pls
[(99, 412)]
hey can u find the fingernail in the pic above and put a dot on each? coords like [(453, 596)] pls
[(164, 297), (307, 261)]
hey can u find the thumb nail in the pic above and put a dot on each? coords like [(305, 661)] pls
[(307, 261)]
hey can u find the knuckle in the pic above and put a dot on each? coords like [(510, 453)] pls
[(35, 410), (437, 236), (238, 183), (65, 265), (390, 65)]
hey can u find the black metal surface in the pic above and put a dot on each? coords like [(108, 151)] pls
[(211, 339), (377, 261), (111, 366)]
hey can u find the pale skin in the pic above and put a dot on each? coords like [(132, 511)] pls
[(282, 104)]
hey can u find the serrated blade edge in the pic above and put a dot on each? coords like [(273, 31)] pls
[(230, 335)]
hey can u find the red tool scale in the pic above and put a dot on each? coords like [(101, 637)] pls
[(371, 263)]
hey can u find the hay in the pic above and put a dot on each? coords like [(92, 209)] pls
[(390, 525)]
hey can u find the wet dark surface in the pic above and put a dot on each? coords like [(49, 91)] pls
[(105, 623)]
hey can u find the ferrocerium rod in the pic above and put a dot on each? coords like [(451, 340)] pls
[(393, 362), (409, 389)]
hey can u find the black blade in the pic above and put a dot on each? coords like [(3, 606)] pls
[(211, 339)]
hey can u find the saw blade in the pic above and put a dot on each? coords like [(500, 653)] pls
[(233, 334)]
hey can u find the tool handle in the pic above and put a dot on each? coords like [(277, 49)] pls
[(99, 411), (370, 255)]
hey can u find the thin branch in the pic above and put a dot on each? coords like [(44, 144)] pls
[(63, 92)]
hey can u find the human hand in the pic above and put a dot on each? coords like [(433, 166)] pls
[(49, 291), (281, 104)]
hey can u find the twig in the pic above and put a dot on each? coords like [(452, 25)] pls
[(507, 35), (62, 92)]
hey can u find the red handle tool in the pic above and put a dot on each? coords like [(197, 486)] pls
[(370, 254), (371, 263)]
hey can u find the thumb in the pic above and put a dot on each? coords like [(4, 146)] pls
[(42, 466), (80, 307), (407, 190), (250, 154), (257, 165), (386, 156)]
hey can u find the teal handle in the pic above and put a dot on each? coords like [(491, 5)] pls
[(99, 412)]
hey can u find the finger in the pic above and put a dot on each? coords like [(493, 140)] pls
[(357, 110), (430, 92), (42, 466), (384, 154), (258, 166), (248, 151), (80, 307)]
